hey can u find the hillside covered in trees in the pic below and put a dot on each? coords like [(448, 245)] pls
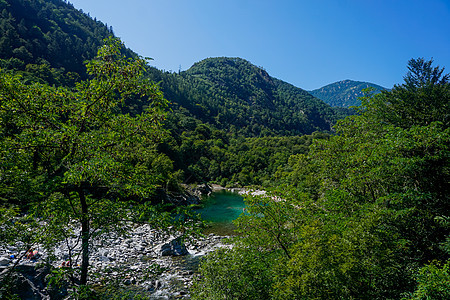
[(48, 40), (234, 95)]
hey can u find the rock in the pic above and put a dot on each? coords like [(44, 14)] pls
[(12, 248), (157, 284), (202, 190), (28, 282), (134, 255), (173, 248), (103, 259), (4, 261)]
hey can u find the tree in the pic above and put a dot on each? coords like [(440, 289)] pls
[(422, 99), (72, 158), (422, 74)]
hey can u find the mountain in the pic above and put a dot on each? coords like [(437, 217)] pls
[(344, 93), (49, 40), (233, 94), (46, 39)]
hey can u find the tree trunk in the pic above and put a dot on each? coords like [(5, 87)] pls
[(84, 238)]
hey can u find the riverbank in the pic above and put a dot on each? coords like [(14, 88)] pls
[(134, 261), (239, 190)]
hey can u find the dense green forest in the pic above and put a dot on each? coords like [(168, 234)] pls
[(91, 133), (231, 93), (48, 40)]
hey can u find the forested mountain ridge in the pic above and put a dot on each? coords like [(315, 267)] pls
[(344, 93), (233, 94)]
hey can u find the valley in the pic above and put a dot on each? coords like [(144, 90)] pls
[(105, 160)]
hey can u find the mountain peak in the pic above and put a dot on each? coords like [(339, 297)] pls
[(232, 92)]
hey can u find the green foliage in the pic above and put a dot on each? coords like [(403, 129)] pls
[(207, 154), (433, 282), (71, 157), (48, 41), (421, 100), (234, 274)]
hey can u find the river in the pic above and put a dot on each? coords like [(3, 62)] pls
[(220, 209)]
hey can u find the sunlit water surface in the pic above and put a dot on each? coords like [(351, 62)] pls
[(220, 209)]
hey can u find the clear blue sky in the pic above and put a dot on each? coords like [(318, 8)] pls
[(308, 43)]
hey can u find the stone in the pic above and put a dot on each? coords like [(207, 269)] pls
[(103, 258), (4, 261), (28, 282), (173, 248)]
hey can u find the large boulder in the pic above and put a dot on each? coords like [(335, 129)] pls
[(202, 190), (27, 282), (173, 248)]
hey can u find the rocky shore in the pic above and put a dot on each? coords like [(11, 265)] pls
[(151, 261)]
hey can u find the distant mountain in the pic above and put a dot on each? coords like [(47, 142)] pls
[(344, 93), (233, 94)]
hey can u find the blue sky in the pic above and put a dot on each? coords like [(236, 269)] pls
[(308, 43)]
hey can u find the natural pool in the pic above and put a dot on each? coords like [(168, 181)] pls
[(220, 209)]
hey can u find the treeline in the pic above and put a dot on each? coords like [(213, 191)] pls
[(363, 215), (204, 153)]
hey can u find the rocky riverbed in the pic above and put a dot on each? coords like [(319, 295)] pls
[(154, 262)]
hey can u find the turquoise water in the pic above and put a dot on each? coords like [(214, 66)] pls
[(220, 209)]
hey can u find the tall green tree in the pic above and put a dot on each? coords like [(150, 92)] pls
[(422, 98), (70, 155)]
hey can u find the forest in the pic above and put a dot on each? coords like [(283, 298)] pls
[(92, 136)]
